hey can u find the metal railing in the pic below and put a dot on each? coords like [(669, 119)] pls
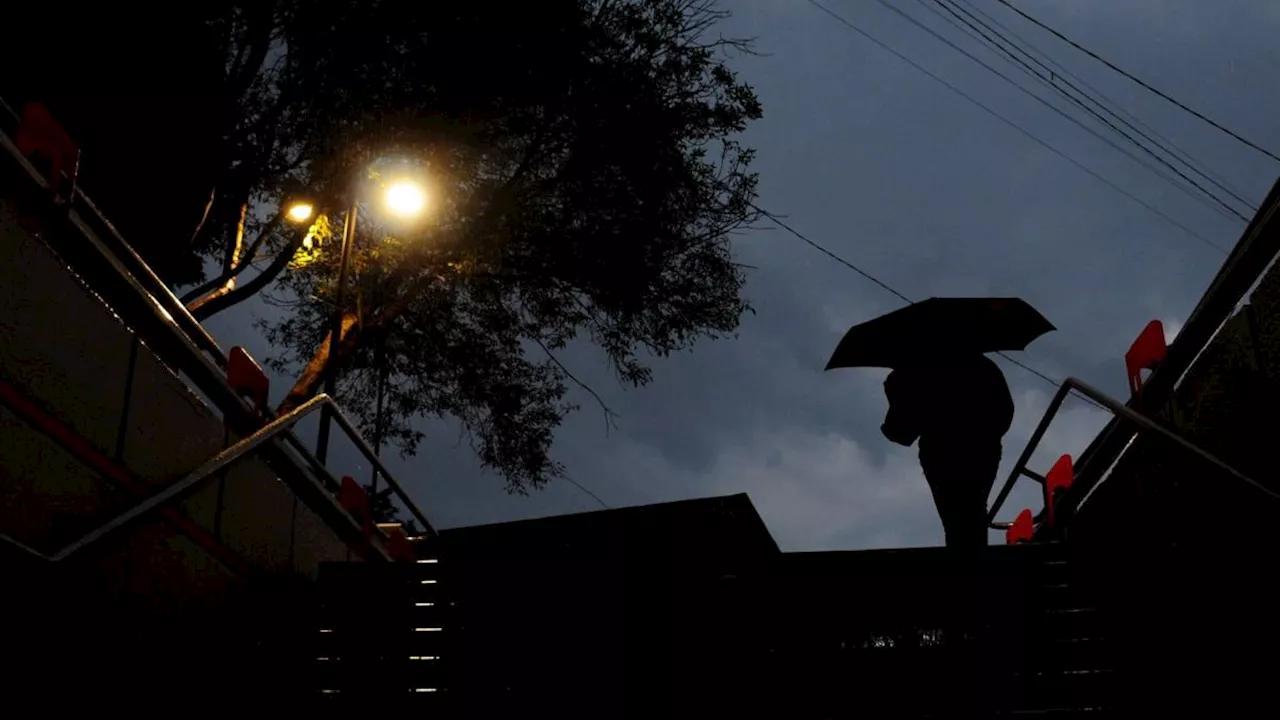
[(125, 255), (174, 333), (1122, 412), (206, 472), (179, 489), (1253, 253)]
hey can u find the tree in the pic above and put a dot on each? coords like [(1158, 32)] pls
[(587, 181)]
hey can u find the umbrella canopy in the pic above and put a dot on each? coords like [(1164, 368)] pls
[(940, 327)]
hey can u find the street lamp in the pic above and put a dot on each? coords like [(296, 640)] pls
[(405, 198), (300, 211)]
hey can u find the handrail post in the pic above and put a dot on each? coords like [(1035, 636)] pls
[(1032, 444), (1121, 411), (395, 486)]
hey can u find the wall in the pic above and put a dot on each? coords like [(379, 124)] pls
[(62, 349)]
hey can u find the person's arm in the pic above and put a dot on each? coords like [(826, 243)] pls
[(996, 399), (902, 422)]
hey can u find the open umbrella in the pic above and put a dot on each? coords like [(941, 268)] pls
[(938, 327)]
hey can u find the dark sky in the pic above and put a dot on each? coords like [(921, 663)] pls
[(899, 175)]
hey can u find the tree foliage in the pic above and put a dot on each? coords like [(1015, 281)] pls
[(585, 176)]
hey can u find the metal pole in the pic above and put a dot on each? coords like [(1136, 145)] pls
[(379, 359), (335, 331)]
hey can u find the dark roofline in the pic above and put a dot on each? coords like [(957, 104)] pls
[(740, 500)]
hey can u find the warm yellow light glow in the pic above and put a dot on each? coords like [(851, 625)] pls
[(406, 198), (300, 212)]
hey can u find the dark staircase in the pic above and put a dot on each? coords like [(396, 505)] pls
[(380, 638), (1010, 632), (1013, 632)]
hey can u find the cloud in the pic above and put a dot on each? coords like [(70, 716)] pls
[(828, 491), (825, 491), (906, 180)]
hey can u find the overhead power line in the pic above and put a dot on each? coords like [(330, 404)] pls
[(1153, 210), (583, 488), (889, 288), (1059, 111), (1060, 71), (961, 16), (1138, 80), (885, 286)]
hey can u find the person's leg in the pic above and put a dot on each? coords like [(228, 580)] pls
[(973, 468), (960, 473), (944, 464)]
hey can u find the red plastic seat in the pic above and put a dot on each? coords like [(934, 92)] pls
[(1060, 477), (1021, 530), (1146, 353), (246, 377), (46, 145)]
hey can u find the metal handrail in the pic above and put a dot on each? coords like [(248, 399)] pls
[(1252, 254), (164, 296), (1122, 411), (367, 450), (176, 312), (196, 478), (186, 485), (210, 377)]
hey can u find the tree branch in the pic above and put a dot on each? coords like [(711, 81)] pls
[(247, 259), (312, 375), (204, 217), (609, 414), (232, 257), (225, 297)]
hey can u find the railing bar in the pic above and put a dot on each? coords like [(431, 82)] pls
[(1032, 443), (181, 316), (373, 458), (1120, 410), (193, 479), (167, 318), (1034, 475), (114, 262), (322, 472), (197, 476), (1149, 424)]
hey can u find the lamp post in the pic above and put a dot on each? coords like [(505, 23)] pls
[(335, 330), (405, 198)]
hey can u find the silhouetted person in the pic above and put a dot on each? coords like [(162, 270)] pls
[(959, 408)]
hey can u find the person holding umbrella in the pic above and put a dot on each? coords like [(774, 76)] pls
[(947, 395)]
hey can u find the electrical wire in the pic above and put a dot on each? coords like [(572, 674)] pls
[(1211, 202), (1051, 81), (1058, 70), (1137, 80), (890, 289), (1147, 206), (583, 488), (1051, 106)]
